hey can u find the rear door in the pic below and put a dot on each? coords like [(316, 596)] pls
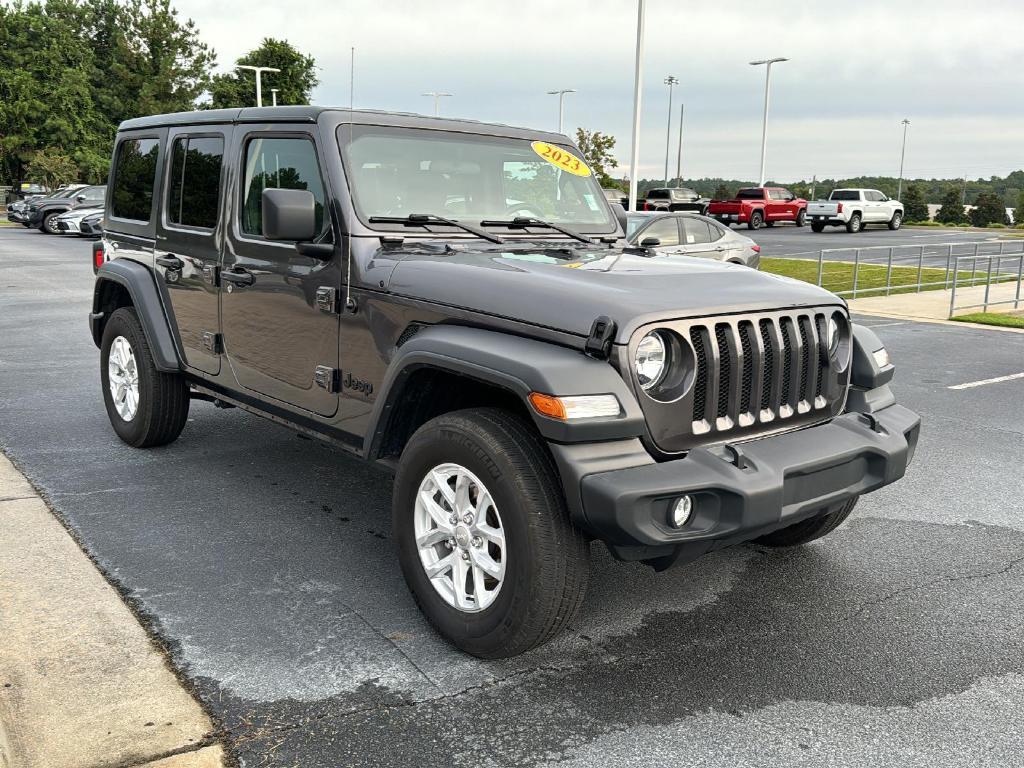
[(132, 194), (277, 333), (189, 237), (700, 239)]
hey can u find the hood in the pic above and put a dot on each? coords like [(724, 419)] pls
[(566, 288)]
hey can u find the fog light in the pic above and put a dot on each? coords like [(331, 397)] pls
[(682, 508)]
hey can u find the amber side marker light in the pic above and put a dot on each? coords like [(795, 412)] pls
[(575, 406)]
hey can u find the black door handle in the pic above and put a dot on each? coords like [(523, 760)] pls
[(169, 261), (237, 276)]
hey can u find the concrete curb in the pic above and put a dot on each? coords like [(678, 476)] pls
[(81, 684)]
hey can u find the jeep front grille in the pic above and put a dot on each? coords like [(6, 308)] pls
[(751, 375)]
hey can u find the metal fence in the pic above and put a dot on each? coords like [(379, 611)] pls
[(883, 270), (999, 269)]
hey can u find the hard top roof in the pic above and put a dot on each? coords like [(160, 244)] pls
[(340, 115)]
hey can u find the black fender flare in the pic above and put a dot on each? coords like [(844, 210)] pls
[(518, 365), (137, 279)]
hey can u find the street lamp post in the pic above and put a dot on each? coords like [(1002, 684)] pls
[(903, 154), (273, 97), (671, 81), (634, 170), (764, 127), (437, 96), (561, 103), (259, 82)]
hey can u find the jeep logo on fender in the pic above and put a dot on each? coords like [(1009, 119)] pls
[(351, 382)]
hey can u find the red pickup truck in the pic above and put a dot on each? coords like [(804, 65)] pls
[(755, 206)]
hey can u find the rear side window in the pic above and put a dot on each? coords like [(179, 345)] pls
[(845, 194), (659, 194), (278, 164), (750, 194), (194, 195), (698, 231), (134, 175)]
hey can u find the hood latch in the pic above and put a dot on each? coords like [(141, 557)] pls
[(599, 342)]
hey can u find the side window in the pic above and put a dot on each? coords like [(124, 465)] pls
[(194, 196), (665, 229), (872, 196), (134, 176), (278, 164), (697, 232)]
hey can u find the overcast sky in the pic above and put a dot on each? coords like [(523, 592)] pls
[(856, 69)]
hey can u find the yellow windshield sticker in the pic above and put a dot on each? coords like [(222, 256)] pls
[(561, 158)]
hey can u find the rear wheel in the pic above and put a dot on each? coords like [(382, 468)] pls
[(146, 407), (484, 536), (854, 224), (801, 217), (756, 220), (896, 221), (816, 227), (811, 529)]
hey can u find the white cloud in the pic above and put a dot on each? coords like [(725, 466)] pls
[(855, 72)]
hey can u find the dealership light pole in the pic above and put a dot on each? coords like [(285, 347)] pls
[(561, 103), (679, 156), (437, 95), (764, 127), (637, 79), (903, 154), (671, 81), (259, 82), (273, 96)]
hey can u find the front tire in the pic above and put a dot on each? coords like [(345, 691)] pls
[(49, 225), (896, 221), (478, 504), (810, 529), (146, 407), (854, 224), (756, 220)]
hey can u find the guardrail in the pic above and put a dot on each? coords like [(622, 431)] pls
[(934, 266)]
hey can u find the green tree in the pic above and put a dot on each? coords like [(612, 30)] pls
[(51, 168), (295, 82), (952, 209), (988, 209), (914, 206), (597, 152), (1018, 213), (721, 193)]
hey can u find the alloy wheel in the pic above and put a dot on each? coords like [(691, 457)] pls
[(123, 378)]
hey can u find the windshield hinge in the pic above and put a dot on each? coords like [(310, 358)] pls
[(599, 342)]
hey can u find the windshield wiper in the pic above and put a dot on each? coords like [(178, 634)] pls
[(426, 219), (522, 222)]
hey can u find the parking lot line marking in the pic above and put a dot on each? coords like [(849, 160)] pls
[(983, 382)]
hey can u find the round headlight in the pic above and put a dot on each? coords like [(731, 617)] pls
[(833, 336), (651, 360)]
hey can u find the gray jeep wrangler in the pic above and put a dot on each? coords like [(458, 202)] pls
[(453, 300)]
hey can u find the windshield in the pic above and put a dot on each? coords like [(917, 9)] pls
[(396, 172)]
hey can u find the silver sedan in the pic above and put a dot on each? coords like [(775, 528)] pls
[(690, 234)]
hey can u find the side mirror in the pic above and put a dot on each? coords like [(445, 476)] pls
[(289, 214), (650, 242), (80, 198)]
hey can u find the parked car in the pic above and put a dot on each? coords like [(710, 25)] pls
[(43, 213), (91, 225), (757, 206), (689, 234), (616, 196), (533, 384), (70, 222), (18, 210), (854, 209), (675, 199)]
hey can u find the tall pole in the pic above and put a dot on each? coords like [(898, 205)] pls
[(671, 82), (679, 155), (561, 103), (634, 165), (259, 82), (437, 100), (764, 125), (903, 153)]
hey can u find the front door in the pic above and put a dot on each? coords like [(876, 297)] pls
[(188, 241), (664, 229), (276, 333)]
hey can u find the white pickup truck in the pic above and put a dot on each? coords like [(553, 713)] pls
[(853, 209)]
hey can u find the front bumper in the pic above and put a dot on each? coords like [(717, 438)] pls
[(770, 483), (70, 226)]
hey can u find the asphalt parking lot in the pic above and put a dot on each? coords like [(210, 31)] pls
[(263, 563), (909, 244)]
